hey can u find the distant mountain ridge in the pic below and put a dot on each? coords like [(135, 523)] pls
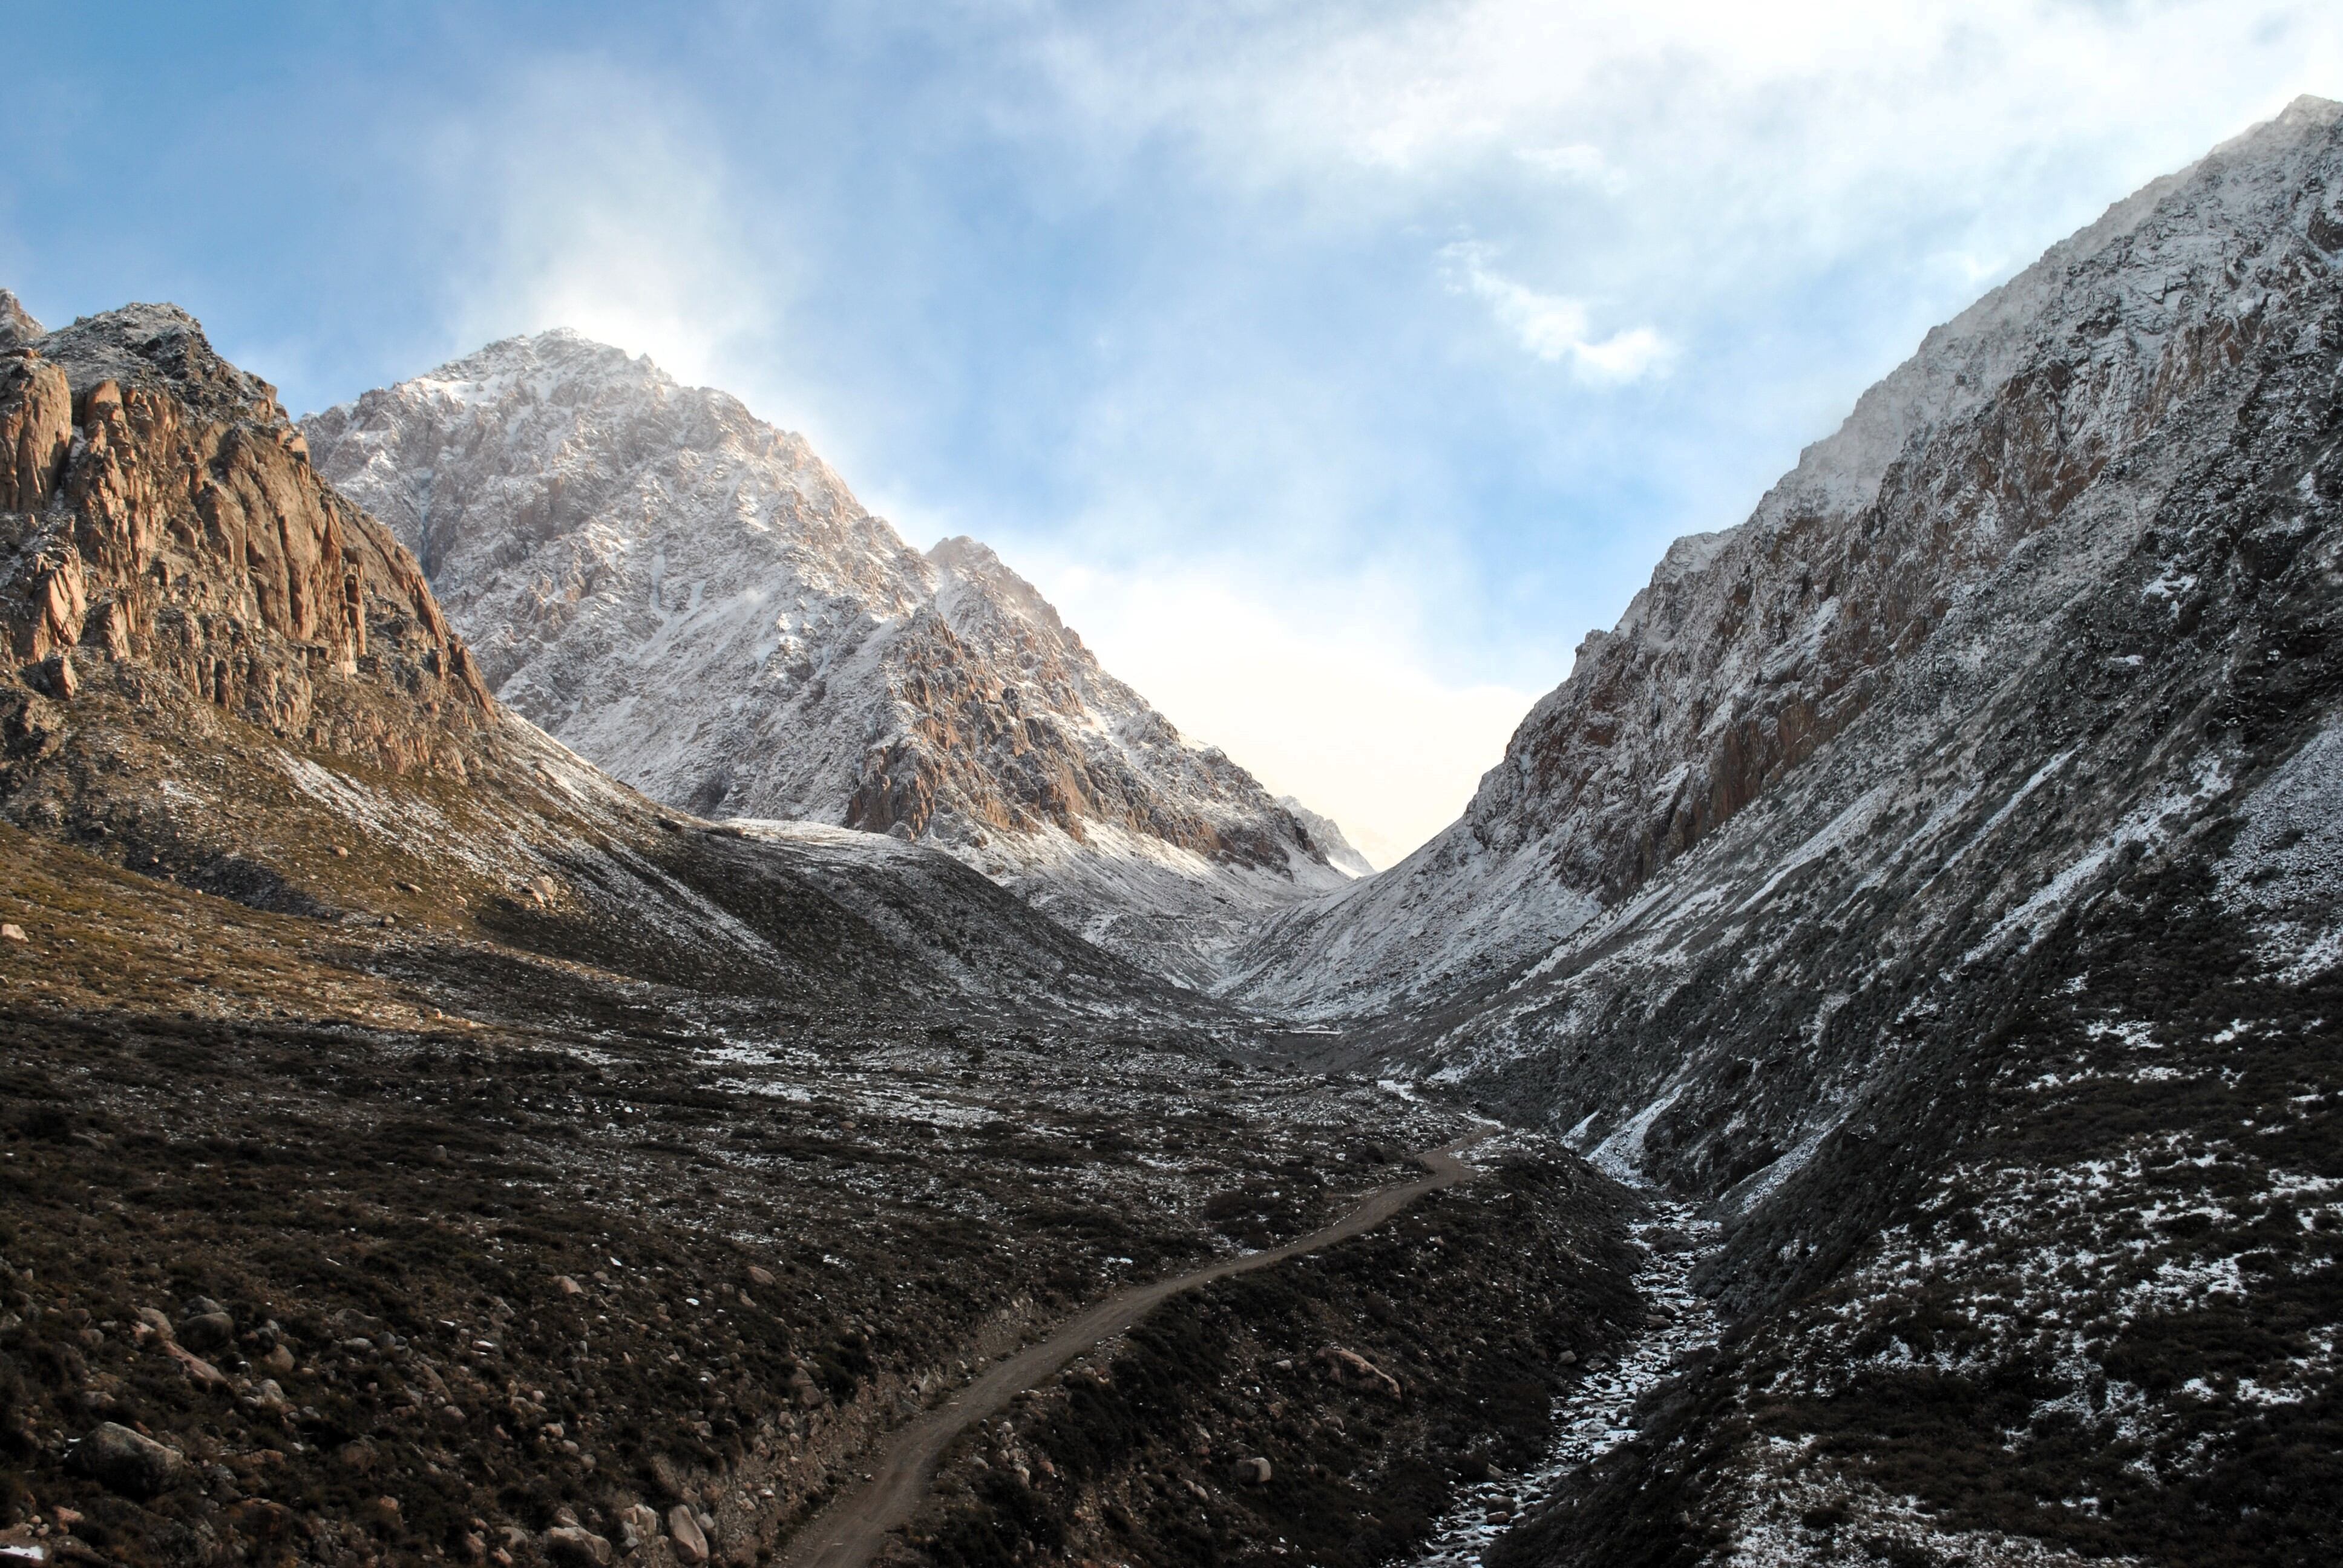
[(694, 600)]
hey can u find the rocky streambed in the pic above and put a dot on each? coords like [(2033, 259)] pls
[(1598, 1413)]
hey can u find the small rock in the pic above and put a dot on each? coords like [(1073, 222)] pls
[(195, 1366), (567, 1286), (121, 1460), (342, 854), (1352, 1369), (639, 1525), (10, 931), (1253, 1472), (690, 1544), (452, 1415), (473, 1546), (279, 1360), (1567, 1357), (156, 1322), (206, 1328), (58, 673), (574, 1546), (757, 1274)]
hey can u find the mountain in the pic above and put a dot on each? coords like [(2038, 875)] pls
[(225, 674), (1327, 835), (1933, 877), (693, 600)]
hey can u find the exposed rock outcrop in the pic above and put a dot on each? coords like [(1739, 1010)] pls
[(157, 507)]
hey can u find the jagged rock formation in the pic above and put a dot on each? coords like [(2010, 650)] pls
[(692, 600), (163, 510), (1932, 876)]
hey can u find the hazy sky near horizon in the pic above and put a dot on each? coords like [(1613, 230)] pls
[(1334, 367)]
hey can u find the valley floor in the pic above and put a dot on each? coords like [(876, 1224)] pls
[(343, 1245)]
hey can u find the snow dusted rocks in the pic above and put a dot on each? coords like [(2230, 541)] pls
[(693, 600), (1933, 878), (2014, 460)]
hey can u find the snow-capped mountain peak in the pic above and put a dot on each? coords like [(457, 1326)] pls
[(694, 599)]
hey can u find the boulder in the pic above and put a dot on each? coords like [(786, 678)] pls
[(690, 1542), (205, 1326), (1254, 1472), (574, 1546), (123, 1461)]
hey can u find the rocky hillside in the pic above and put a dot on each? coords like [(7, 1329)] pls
[(693, 600), (1931, 874)]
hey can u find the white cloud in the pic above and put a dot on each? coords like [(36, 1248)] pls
[(596, 200), (1553, 327), (1577, 163)]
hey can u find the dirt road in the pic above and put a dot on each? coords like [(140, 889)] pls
[(849, 1532)]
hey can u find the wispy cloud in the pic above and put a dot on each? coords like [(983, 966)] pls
[(1578, 164), (1553, 327), (601, 199)]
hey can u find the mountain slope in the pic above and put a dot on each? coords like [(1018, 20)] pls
[(1931, 877), (224, 673), (695, 602), (1751, 649)]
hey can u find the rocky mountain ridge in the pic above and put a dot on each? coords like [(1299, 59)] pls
[(693, 600), (1929, 878), (1751, 649), (220, 670)]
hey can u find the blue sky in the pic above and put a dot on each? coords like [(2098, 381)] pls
[(1334, 367)]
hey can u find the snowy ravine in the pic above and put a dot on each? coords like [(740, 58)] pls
[(1598, 1413)]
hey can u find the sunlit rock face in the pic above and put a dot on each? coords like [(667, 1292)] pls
[(159, 509), (694, 600)]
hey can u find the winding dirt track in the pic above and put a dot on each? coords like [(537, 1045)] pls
[(849, 1532)]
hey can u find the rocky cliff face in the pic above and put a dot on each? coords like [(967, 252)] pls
[(158, 507), (695, 602), (1928, 876), (1328, 835)]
